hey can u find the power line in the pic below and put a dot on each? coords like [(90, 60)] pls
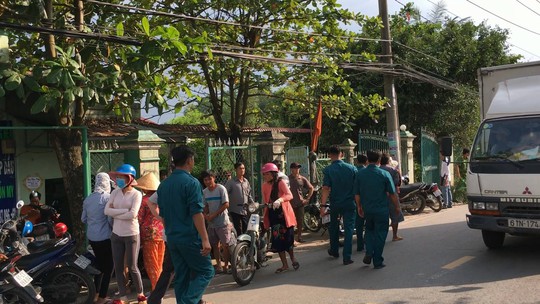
[(420, 52), (68, 33), (221, 22), (528, 7), (517, 47), (521, 27)]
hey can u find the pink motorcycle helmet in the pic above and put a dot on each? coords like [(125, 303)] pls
[(269, 167)]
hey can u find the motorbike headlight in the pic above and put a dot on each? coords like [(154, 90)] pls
[(492, 206), (253, 207), (479, 205)]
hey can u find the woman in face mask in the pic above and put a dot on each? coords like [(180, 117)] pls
[(123, 206)]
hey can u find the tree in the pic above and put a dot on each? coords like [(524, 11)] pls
[(63, 76), (261, 46), (451, 50)]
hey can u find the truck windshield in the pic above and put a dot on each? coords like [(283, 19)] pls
[(508, 144)]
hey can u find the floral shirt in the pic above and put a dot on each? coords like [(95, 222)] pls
[(151, 228)]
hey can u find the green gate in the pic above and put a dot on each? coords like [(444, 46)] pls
[(430, 158), (221, 159), (372, 140)]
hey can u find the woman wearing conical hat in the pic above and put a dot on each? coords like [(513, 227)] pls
[(151, 230)]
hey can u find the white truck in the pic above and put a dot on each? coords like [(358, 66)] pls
[(503, 174)]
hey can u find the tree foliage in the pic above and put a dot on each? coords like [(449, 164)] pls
[(445, 48)]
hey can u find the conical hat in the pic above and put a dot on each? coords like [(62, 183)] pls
[(148, 181)]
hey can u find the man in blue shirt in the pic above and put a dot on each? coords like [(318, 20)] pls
[(373, 188), (181, 207), (338, 186)]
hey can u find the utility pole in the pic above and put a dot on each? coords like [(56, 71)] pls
[(392, 118)]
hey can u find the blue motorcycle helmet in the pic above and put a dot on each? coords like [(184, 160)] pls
[(125, 170), (28, 228)]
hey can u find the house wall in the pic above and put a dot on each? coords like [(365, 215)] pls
[(35, 162)]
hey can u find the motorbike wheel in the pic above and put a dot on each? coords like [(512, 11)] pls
[(434, 203), (78, 286), (418, 206), (16, 296), (243, 264), (312, 222)]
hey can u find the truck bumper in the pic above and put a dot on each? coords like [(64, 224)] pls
[(500, 224)]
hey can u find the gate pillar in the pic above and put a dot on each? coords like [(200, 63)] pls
[(347, 146), (407, 159), (142, 151), (271, 146)]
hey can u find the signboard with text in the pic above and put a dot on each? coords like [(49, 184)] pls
[(8, 192)]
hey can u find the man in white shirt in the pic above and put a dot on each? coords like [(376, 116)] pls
[(445, 182)]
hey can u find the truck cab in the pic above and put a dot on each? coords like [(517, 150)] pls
[(503, 175)]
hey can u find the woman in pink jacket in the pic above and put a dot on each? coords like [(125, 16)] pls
[(279, 216)]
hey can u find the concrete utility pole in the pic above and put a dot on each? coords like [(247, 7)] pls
[(392, 118)]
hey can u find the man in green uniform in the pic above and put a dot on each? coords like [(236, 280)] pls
[(338, 186), (181, 207), (373, 187)]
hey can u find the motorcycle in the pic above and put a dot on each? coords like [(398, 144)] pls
[(250, 251), (411, 198), (15, 284), (431, 192), (45, 230), (433, 196), (64, 277), (312, 216)]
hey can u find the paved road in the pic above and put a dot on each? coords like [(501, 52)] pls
[(440, 260)]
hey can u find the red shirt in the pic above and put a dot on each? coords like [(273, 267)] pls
[(151, 228)]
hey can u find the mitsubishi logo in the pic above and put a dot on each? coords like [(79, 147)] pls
[(527, 191)]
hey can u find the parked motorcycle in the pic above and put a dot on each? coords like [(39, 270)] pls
[(250, 251), (312, 215), (433, 196), (15, 284), (411, 198), (45, 230), (64, 277), (431, 193)]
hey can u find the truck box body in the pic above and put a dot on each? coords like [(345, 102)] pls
[(503, 176)]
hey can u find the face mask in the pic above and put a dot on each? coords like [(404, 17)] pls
[(120, 183)]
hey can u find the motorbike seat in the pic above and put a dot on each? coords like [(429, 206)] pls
[(38, 246), (403, 190), (30, 261)]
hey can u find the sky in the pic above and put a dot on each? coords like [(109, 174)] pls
[(522, 22), (521, 19)]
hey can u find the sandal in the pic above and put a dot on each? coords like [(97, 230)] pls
[(204, 302), (296, 265), (397, 238), (141, 299), (280, 270)]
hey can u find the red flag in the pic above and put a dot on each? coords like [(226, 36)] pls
[(317, 130)]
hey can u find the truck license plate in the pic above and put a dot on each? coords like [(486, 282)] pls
[(82, 262), (22, 278), (524, 223)]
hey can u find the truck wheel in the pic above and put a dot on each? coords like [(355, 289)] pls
[(493, 239)]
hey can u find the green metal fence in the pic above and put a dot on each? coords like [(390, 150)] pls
[(372, 140), (104, 161), (430, 158), (221, 158)]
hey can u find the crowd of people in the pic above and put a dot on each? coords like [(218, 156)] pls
[(181, 221)]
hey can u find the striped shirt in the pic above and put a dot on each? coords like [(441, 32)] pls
[(214, 199)]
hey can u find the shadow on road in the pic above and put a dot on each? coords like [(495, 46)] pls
[(448, 255)]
